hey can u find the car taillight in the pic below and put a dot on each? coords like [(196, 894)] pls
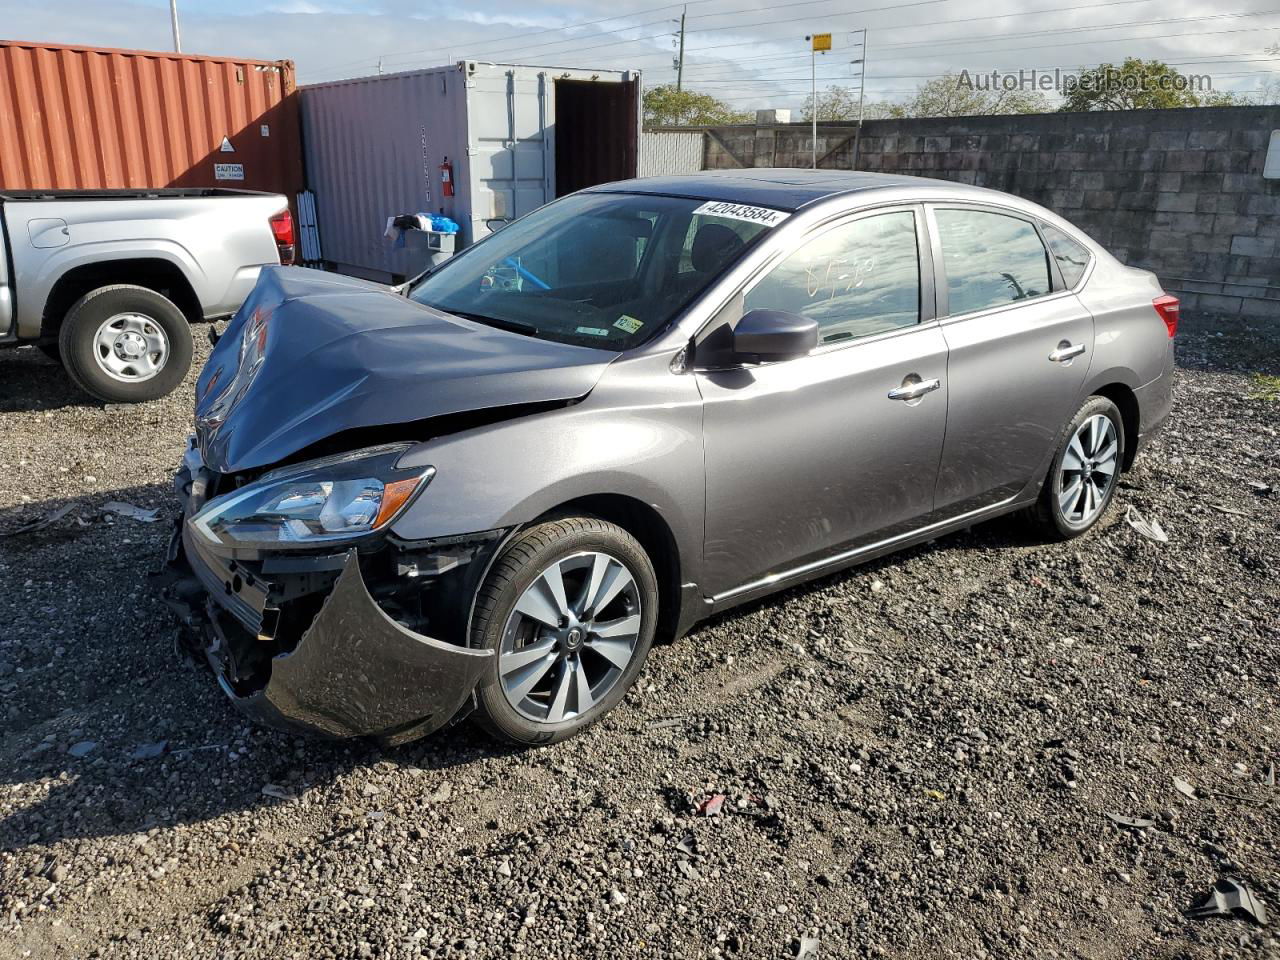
[(282, 230), (1168, 308)]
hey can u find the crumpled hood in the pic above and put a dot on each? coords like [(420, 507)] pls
[(341, 353)]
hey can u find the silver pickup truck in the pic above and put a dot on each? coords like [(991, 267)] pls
[(109, 281)]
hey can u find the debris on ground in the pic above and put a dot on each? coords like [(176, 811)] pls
[(149, 751), (1184, 788), (807, 948), (711, 806), (141, 514), (1229, 897), (1222, 508), (1131, 823), (666, 723), (50, 518), (277, 791), (82, 749), (1150, 529), (1261, 489)]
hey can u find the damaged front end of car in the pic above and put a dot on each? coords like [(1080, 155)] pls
[(314, 618)]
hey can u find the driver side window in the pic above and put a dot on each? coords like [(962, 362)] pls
[(857, 279)]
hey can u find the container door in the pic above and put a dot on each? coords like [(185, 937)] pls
[(509, 124), (595, 133)]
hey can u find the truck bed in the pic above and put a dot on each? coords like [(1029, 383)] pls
[(136, 193)]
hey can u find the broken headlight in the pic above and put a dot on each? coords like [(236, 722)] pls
[(337, 498)]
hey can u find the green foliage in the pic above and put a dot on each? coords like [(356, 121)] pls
[(1142, 85), (666, 106), (1266, 386)]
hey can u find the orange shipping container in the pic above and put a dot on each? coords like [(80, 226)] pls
[(87, 118)]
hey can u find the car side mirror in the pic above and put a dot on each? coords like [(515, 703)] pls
[(774, 335)]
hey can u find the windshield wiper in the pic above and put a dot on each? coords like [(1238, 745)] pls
[(512, 326)]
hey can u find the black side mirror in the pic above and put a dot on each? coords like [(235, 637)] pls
[(774, 335)]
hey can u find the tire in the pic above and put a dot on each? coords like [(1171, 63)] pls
[(551, 710), (152, 336), (1066, 521)]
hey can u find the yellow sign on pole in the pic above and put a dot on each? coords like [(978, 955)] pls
[(821, 42)]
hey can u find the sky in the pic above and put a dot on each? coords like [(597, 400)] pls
[(752, 53)]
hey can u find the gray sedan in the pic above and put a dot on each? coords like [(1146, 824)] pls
[(640, 405)]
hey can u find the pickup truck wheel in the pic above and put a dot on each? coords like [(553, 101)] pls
[(125, 344), (569, 609)]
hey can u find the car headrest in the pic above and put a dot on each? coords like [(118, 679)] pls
[(714, 245)]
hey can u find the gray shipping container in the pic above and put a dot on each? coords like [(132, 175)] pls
[(516, 137)]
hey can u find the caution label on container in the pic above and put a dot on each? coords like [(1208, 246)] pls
[(741, 211), (228, 171)]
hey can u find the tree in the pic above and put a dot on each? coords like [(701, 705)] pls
[(960, 95), (1270, 91), (1140, 85), (951, 95), (665, 106)]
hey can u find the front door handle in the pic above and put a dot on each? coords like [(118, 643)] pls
[(1066, 351), (914, 390)]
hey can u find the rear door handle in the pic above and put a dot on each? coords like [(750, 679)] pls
[(914, 391), (1066, 350)]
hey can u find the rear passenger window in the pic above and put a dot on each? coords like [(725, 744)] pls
[(990, 259), (1072, 257), (855, 280)]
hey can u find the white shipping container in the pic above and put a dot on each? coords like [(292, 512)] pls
[(515, 136)]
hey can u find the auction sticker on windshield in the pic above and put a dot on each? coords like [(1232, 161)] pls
[(741, 211)]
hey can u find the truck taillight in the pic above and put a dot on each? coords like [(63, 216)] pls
[(282, 230), (1168, 308)]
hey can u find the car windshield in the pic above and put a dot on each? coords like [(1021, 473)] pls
[(607, 270)]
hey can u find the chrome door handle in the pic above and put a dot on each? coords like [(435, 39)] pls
[(1066, 351), (914, 391)]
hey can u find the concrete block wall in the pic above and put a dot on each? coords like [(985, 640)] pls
[(1178, 192)]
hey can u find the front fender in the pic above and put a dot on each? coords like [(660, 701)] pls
[(638, 435)]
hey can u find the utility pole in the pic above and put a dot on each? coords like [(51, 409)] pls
[(818, 43), (173, 20), (680, 57), (862, 92)]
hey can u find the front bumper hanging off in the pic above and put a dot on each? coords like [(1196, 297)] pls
[(355, 671)]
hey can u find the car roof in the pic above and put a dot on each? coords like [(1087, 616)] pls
[(783, 188)]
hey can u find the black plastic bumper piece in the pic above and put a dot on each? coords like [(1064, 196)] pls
[(356, 672)]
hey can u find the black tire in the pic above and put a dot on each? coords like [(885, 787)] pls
[(518, 566), (1047, 514), (82, 322)]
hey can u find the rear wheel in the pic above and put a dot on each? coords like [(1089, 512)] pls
[(569, 610), (125, 344), (1082, 478)]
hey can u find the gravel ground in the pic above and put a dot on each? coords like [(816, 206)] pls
[(918, 757)]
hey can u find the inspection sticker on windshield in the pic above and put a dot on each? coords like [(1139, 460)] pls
[(629, 324), (593, 331), (741, 211)]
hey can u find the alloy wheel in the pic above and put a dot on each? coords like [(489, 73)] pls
[(1088, 470), (570, 637)]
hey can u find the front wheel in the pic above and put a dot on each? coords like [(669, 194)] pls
[(125, 344), (1082, 478), (569, 609)]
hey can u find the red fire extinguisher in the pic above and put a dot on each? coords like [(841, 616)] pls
[(446, 177)]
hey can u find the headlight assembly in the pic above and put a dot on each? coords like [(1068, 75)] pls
[(338, 498)]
